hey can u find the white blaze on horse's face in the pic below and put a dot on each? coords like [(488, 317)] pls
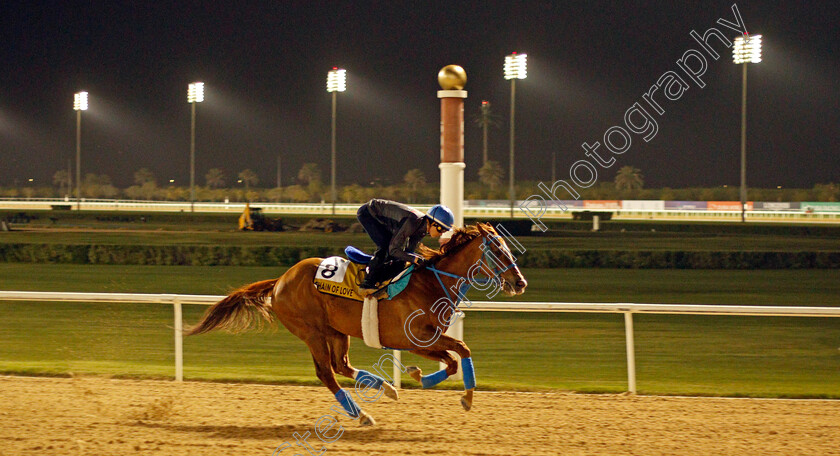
[(513, 282)]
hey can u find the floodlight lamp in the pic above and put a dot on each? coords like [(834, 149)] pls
[(516, 66), (80, 101), (337, 80), (195, 92), (747, 50)]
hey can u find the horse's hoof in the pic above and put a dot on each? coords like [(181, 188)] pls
[(415, 373), (466, 400), (366, 420), (390, 391)]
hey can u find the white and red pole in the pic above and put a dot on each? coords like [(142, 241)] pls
[(452, 79)]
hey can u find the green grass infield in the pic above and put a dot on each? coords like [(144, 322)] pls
[(676, 354)]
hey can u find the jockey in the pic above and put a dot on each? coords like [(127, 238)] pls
[(396, 229)]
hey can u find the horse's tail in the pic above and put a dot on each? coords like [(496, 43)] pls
[(243, 309)]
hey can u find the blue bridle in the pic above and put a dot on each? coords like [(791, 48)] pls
[(462, 290)]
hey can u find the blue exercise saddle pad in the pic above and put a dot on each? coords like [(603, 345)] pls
[(396, 285), (357, 256)]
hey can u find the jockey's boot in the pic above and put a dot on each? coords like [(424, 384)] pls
[(374, 270)]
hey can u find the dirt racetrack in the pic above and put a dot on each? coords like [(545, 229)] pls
[(95, 416)]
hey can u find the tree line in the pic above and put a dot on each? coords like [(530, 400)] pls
[(415, 187)]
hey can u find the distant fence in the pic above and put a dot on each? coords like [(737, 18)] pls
[(816, 212), (628, 309)]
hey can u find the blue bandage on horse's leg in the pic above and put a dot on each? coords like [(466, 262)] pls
[(346, 401), (469, 373), (433, 379), (367, 378)]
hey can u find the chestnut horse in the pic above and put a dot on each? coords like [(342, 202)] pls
[(415, 320)]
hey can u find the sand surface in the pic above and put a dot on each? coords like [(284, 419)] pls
[(95, 416)]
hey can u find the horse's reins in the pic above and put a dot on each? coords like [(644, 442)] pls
[(464, 288)]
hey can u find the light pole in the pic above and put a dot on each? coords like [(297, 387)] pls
[(195, 94), (485, 120), (336, 82), (80, 103), (745, 50), (515, 68)]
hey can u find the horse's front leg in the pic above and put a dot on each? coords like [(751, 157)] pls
[(439, 350), (428, 381)]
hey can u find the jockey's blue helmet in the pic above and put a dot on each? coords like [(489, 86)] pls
[(442, 215)]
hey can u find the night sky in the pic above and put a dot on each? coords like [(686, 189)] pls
[(265, 65)]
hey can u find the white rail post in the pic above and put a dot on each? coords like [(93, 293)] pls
[(456, 330), (179, 341), (631, 352), (397, 371)]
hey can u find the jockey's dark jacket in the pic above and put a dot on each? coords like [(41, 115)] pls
[(407, 224)]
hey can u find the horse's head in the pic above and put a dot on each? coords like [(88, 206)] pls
[(478, 249), (499, 261)]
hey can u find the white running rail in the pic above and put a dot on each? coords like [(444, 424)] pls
[(483, 209), (628, 309)]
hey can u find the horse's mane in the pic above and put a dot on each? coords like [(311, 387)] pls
[(459, 239)]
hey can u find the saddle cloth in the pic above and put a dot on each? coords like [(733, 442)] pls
[(340, 277)]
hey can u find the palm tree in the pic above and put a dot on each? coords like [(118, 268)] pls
[(62, 179), (491, 174), (414, 180), (352, 193), (215, 178), (297, 194), (486, 119), (145, 185), (249, 178), (309, 173), (827, 192), (629, 178), (98, 186), (143, 175)]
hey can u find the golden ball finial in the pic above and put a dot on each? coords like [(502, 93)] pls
[(452, 77)]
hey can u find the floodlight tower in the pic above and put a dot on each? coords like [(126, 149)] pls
[(195, 94), (336, 82), (515, 68), (745, 50), (80, 103)]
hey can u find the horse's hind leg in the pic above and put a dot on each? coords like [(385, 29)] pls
[(339, 348), (323, 368)]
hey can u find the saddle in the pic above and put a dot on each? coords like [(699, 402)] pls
[(357, 256), (341, 277)]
